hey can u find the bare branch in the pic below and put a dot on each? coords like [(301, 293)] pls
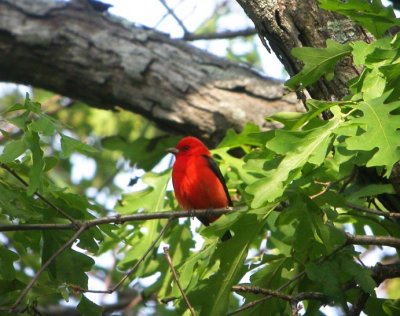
[(328, 186), (390, 215), (153, 244), (176, 278), (170, 82), (299, 297), (265, 298), (292, 299), (167, 14), (373, 240), (133, 269), (358, 306), (121, 219), (259, 290), (177, 19), (19, 227), (220, 35)]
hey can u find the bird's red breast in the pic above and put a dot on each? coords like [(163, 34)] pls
[(197, 180)]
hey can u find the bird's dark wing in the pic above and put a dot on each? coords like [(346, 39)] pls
[(214, 167)]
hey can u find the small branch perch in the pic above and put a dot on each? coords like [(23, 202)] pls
[(121, 219), (176, 278)]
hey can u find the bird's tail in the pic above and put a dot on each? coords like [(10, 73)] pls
[(226, 236)]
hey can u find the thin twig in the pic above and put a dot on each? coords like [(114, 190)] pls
[(373, 240), (250, 305), (176, 278), (389, 215), (286, 297), (265, 298), (82, 228), (45, 200), (44, 266), (153, 244), (351, 239), (286, 284), (259, 290), (177, 19), (328, 186), (19, 227), (293, 299), (220, 35), (133, 269), (358, 306), (167, 14), (121, 219)]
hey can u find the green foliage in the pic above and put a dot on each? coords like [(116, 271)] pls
[(88, 308), (369, 14), (38, 147), (317, 62)]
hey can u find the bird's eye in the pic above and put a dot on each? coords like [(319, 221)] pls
[(186, 147)]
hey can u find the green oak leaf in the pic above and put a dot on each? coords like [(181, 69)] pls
[(380, 132), (317, 62), (372, 15), (87, 308), (298, 148)]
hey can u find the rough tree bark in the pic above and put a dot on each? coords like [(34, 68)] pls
[(287, 24), (69, 48)]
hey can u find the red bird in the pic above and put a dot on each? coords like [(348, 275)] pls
[(198, 182)]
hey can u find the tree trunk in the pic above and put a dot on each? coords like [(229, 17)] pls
[(71, 49), (287, 24)]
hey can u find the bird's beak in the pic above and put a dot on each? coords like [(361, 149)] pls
[(172, 150)]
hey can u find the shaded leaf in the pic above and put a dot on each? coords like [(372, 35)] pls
[(87, 308), (381, 132), (317, 62)]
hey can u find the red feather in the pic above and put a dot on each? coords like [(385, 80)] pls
[(197, 180)]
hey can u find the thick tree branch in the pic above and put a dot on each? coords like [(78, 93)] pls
[(220, 35), (287, 24), (73, 50)]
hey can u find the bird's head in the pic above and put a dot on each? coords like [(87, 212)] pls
[(188, 146)]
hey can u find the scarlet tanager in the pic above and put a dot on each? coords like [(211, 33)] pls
[(197, 180)]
